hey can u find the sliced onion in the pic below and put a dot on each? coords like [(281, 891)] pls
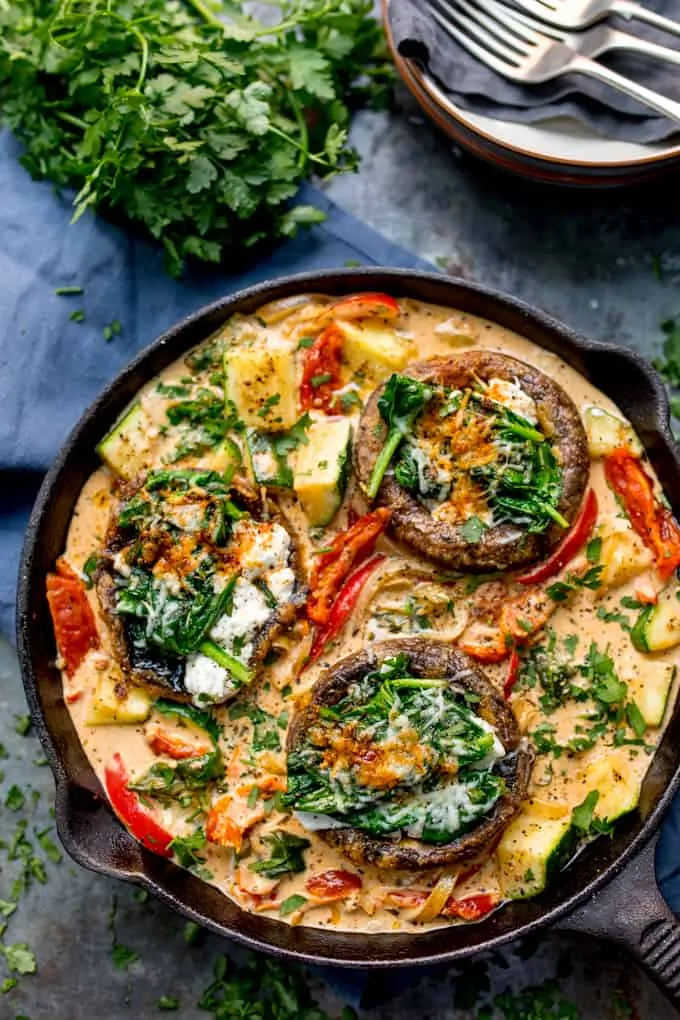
[(275, 311), (437, 900)]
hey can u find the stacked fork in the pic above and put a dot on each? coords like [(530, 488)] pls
[(527, 50)]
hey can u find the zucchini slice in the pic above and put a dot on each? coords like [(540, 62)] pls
[(268, 467), (612, 777), (107, 706), (126, 447), (650, 688), (374, 349), (607, 433), (531, 850), (261, 382), (658, 627), (321, 469)]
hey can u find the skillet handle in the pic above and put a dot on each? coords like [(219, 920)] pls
[(631, 912)]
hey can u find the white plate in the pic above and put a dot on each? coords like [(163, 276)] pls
[(560, 139)]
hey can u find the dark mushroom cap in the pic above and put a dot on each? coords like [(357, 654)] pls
[(427, 658), (503, 546), (152, 668)]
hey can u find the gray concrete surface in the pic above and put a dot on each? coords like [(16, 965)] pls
[(592, 260)]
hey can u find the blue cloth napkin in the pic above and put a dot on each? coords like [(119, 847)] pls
[(52, 366)]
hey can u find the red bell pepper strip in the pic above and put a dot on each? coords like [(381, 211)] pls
[(343, 606), (126, 804), (321, 370), (513, 674), (359, 306), (649, 518), (570, 545), (495, 650), (75, 628), (471, 908), (162, 741), (333, 885), (332, 567)]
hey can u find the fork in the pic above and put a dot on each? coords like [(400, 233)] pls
[(581, 13), (590, 43), (528, 56)]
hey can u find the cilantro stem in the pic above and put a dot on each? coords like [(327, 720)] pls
[(206, 14), (145, 56), (303, 157), (226, 661), (70, 119)]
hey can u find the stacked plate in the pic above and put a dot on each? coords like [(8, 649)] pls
[(559, 151)]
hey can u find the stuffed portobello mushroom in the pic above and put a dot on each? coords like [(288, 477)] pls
[(195, 587), (406, 757), (482, 459)]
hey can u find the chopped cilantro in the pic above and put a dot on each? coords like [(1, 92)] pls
[(78, 315), (168, 1003), (560, 590), (271, 401), (20, 958), (23, 724), (89, 567), (472, 530), (635, 719), (49, 848), (305, 341), (15, 798), (319, 380), (123, 956), (291, 904), (614, 617), (594, 550), (191, 933), (186, 849), (286, 854)]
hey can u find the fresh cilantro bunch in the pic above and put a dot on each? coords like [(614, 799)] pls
[(193, 121)]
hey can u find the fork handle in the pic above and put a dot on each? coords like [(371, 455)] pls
[(633, 43), (668, 107), (629, 10)]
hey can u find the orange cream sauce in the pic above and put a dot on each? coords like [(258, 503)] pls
[(431, 331)]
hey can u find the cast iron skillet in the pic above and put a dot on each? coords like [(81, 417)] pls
[(609, 891)]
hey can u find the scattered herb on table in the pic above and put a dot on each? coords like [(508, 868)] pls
[(540, 1002), (198, 129)]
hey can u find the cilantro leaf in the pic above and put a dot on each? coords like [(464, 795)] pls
[(20, 958), (222, 116), (286, 855)]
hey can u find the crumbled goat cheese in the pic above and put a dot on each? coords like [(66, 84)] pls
[(249, 612), (514, 397), (206, 681), (262, 547)]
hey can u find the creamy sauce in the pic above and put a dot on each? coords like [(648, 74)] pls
[(560, 782)]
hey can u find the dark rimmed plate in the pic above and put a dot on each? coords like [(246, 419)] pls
[(558, 151)]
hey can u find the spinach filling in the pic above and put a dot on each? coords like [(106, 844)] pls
[(184, 518), (399, 754), (510, 463)]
